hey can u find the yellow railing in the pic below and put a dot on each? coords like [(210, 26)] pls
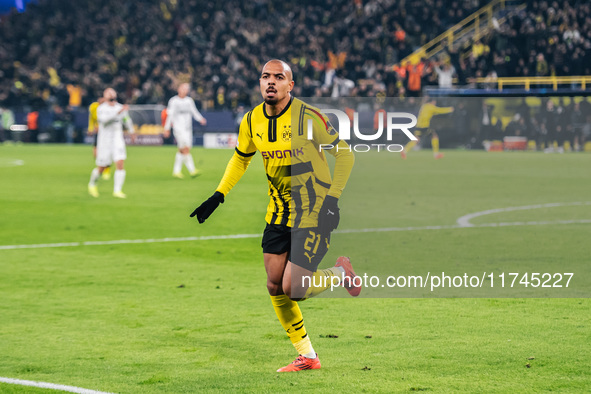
[(477, 24), (526, 82)]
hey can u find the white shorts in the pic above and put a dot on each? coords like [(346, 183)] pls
[(184, 139), (109, 150)]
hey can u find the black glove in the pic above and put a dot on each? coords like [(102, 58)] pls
[(208, 206), (329, 216)]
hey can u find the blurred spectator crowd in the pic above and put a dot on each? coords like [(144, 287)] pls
[(546, 38), (65, 53)]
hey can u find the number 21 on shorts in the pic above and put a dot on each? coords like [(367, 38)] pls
[(312, 242)]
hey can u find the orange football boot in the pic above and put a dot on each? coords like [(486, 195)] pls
[(301, 363), (349, 282)]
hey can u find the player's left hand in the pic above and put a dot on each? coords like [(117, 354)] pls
[(133, 138), (204, 210), (329, 216), (203, 122)]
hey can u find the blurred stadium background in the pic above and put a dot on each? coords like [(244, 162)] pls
[(519, 68)]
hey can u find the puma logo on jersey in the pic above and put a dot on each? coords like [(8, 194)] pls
[(260, 136)]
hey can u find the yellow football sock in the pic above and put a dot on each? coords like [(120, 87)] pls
[(107, 171), (435, 145), (411, 144), (290, 316), (321, 280)]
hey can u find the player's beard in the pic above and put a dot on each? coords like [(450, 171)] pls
[(271, 101)]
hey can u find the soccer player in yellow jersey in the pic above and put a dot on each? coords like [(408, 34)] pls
[(303, 208), (93, 128), (426, 113)]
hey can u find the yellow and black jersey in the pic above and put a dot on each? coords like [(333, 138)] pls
[(297, 171), (92, 119)]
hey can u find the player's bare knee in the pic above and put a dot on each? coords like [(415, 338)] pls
[(295, 291), (300, 297), (274, 288), (294, 294)]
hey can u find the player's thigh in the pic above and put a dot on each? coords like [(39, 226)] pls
[(308, 248), (104, 155), (275, 267), (119, 150), (296, 281), (184, 139), (276, 244), (420, 132)]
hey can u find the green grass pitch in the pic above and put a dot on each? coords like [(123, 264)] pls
[(194, 316)]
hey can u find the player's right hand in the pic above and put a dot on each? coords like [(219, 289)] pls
[(206, 209), (329, 215)]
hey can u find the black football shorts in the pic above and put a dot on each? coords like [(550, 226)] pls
[(306, 246)]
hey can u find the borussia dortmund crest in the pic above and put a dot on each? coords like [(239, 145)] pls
[(286, 133)]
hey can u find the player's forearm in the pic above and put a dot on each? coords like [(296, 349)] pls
[(342, 169), (195, 112), (129, 124), (108, 118), (168, 122), (443, 110), (234, 170), (197, 115)]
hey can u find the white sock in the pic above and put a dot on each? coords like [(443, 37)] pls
[(339, 270), (189, 163), (94, 176), (178, 163), (118, 179), (312, 354)]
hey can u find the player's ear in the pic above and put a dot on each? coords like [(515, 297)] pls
[(291, 84)]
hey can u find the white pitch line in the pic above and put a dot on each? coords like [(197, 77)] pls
[(541, 223), (41, 246), (52, 386), (241, 236), (127, 241), (464, 221), (12, 163)]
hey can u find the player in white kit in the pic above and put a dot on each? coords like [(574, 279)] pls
[(181, 112), (110, 146)]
